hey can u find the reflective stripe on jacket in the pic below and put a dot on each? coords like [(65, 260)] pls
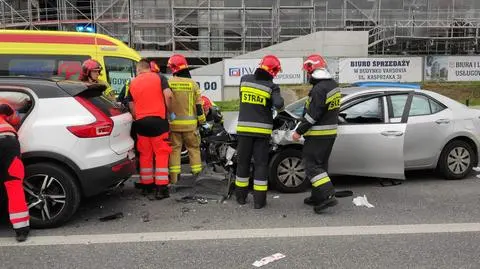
[(320, 117), (257, 97)]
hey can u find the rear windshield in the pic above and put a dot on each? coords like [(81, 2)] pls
[(106, 106)]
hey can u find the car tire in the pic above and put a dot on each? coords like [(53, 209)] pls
[(287, 172), (454, 153), (60, 194)]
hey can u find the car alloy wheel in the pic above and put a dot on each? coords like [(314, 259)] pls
[(45, 196), (291, 172), (459, 160)]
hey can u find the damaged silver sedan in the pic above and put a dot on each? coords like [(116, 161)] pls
[(382, 133)]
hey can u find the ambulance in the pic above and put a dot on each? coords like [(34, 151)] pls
[(60, 54)]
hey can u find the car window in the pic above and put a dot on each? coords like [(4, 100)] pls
[(19, 101), (435, 106), (48, 66), (369, 111), (119, 70), (398, 105), (420, 106)]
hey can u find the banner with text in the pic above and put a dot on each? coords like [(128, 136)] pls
[(211, 86), (234, 69), (393, 69), (452, 68)]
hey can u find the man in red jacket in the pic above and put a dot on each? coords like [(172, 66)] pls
[(12, 171)]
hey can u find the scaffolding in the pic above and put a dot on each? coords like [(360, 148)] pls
[(216, 29)]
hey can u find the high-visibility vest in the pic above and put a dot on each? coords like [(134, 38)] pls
[(184, 104), (147, 93)]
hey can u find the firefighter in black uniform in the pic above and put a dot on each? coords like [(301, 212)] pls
[(319, 127), (258, 96)]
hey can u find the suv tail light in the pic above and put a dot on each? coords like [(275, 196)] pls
[(102, 126)]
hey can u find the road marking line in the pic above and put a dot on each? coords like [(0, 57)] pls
[(243, 234)]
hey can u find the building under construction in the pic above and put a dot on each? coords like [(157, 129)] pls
[(210, 30)]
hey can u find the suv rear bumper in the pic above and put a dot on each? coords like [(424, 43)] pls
[(99, 179)]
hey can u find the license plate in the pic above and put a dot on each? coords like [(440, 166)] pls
[(131, 155)]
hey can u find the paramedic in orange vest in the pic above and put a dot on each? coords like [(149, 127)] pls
[(147, 100), (186, 113), (12, 171)]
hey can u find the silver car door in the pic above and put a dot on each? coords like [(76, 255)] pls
[(366, 144), (429, 126)]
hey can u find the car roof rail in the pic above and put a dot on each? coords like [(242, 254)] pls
[(366, 84)]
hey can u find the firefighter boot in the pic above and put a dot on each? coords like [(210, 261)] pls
[(146, 188), (259, 199), (323, 199), (329, 202), (309, 201), (22, 234), (161, 192), (318, 195), (241, 194)]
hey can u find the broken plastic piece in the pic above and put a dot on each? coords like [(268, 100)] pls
[(362, 201), (118, 215), (276, 196), (269, 259)]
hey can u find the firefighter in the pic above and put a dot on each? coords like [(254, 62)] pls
[(147, 94), (319, 127), (186, 113), (212, 112), (12, 171), (258, 96), (91, 70)]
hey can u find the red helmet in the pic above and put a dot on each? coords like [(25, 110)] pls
[(271, 64), (89, 66), (314, 62), (177, 62), (207, 104), (154, 67)]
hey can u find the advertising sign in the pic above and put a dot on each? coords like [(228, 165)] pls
[(291, 73), (211, 86), (452, 68), (393, 69), (118, 80)]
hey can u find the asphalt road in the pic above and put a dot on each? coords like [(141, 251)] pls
[(425, 222)]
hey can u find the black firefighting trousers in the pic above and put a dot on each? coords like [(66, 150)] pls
[(316, 152), (258, 147)]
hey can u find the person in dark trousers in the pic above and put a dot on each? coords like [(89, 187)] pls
[(319, 127), (12, 171), (258, 96)]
